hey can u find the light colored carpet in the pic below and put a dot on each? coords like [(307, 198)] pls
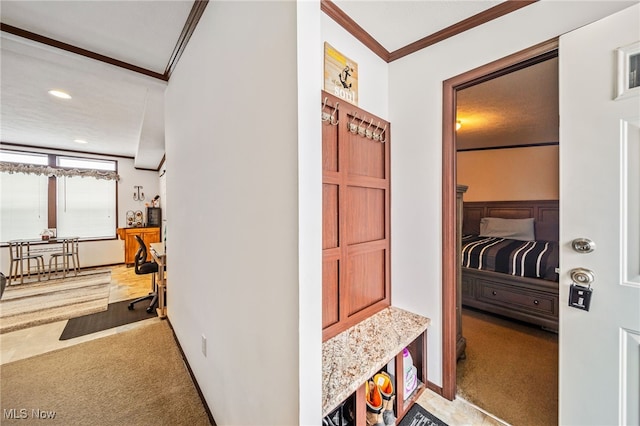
[(135, 377), (511, 369), (28, 305)]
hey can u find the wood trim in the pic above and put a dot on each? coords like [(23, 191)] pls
[(449, 266), (18, 145), (487, 148), (193, 377), (459, 27), (352, 27), (79, 51), (189, 27)]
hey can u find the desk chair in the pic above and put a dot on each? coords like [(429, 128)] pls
[(20, 251), (143, 267), (69, 253)]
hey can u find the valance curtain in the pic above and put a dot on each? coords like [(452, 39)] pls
[(33, 169)]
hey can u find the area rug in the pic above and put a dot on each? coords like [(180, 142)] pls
[(117, 314), (418, 416), (28, 305)]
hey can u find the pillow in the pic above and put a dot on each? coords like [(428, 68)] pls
[(516, 229)]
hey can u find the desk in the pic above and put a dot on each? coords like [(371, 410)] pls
[(157, 251)]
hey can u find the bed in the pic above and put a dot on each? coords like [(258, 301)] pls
[(509, 267)]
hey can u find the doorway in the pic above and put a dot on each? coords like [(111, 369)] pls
[(449, 181)]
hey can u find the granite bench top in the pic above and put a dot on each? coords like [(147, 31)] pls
[(353, 356)]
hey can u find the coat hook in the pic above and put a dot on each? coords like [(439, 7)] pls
[(352, 127), (325, 115), (361, 129), (376, 136), (369, 133), (381, 133), (334, 122)]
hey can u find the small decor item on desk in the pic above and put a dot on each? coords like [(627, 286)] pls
[(384, 382), (46, 234), (131, 217), (138, 220), (156, 201)]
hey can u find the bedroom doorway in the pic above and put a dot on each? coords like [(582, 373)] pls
[(451, 89)]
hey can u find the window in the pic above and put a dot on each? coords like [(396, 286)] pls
[(73, 196)]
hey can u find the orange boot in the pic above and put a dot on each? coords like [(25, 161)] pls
[(385, 384), (374, 404)]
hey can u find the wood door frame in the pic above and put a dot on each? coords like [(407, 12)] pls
[(491, 70)]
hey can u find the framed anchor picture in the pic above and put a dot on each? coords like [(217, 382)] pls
[(340, 75)]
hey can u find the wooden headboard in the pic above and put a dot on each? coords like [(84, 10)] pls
[(546, 215)]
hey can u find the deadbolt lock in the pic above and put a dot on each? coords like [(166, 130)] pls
[(583, 245)]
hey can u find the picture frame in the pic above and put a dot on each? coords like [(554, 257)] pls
[(628, 71)]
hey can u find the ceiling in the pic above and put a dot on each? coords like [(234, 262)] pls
[(121, 112)]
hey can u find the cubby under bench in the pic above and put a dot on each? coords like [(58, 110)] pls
[(352, 357)]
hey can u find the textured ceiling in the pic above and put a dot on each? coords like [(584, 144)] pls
[(518, 108)]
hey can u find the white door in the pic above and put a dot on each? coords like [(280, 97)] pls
[(600, 200)]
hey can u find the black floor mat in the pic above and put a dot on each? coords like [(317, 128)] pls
[(117, 314)]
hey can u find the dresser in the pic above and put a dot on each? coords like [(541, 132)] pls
[(128, 235)]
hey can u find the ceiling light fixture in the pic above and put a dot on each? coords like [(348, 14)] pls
[(80, 141), (458, 124), (59, 94)]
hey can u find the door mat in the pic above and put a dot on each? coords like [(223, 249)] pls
[(117, 314), (418, 416)]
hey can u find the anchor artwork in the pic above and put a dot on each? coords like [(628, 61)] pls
[(340, 75)]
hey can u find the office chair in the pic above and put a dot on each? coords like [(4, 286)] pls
[(143, 267)]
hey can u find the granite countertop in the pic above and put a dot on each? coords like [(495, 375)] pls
[(353, 356)]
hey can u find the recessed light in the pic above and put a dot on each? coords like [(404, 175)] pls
[(60, 94), (80, 141)]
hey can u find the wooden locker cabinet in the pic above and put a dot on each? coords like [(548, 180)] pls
[(128, 235)]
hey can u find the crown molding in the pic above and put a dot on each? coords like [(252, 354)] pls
[(79, 51), (342, 19)]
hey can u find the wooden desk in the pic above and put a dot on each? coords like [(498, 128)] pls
[(157, 251)]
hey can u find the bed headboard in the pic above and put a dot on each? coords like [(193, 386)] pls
[(545, 213)]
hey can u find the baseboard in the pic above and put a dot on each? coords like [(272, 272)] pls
[(193, 378)]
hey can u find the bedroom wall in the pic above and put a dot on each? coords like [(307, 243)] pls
[(510, 174), (415, 108)]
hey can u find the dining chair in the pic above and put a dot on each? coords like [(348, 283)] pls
[(69, 254), (20, 252)]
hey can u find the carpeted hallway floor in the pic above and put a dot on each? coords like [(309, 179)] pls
[(510, 370), (136, 377)]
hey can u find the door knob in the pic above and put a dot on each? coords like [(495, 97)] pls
[(582, 276)]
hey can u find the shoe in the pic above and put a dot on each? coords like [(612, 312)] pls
[(374, 404), (385, 384)]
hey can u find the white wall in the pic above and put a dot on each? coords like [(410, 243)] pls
[(415, 108), (108, 252), (232, 243)]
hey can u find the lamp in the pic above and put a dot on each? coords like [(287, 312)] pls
[(138, 195), (458, 124)]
